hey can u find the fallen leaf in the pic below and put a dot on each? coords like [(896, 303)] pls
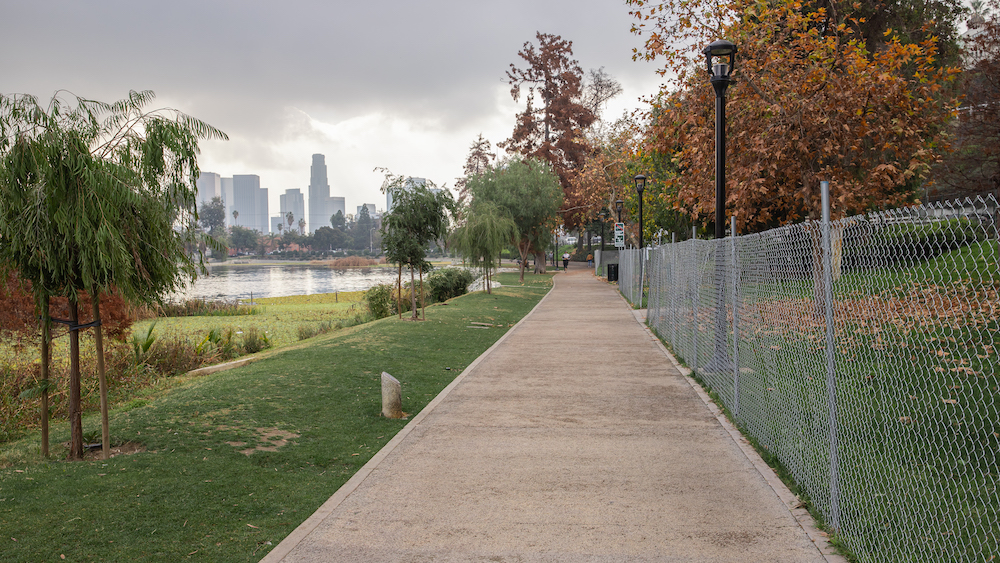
[(950, 401)]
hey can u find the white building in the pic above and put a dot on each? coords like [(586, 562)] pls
[(371, 210)]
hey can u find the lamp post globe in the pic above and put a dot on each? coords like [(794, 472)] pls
[(618, 207)]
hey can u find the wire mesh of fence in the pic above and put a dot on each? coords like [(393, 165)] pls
[(862, 355)]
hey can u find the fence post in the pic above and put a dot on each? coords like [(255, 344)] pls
[(673, 291), (831, 377), (695, 278), (736, 324)]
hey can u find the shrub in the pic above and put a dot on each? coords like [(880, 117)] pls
[(446, 283), (254, 341), (379, 300)]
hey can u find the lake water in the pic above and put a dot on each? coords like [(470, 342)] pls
[(230, 282)]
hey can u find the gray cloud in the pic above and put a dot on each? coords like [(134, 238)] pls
[(291, 77)]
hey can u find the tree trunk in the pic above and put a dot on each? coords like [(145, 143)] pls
[(423, 306), (540, 262), (413, 295), (399, 292), (75, 412), (95, 300), (46, 355)]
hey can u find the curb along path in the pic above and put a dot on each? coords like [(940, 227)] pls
[(572, 439)]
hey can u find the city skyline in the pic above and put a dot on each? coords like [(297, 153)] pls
[(255, 212), (290, 79)]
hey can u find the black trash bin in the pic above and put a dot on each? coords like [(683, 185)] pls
[(612, 272)]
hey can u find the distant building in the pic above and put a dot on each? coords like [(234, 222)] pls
[(209, 187), (409, 184), (371, 210), (321, 205), (293, 201), (227, 198), (278, 220), (250, 202)]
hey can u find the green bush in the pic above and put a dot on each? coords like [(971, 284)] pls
[(446, 283), (379, 300), (254, 341)]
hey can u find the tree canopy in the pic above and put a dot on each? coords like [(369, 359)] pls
[(811, 102), (418, 217), (485, 230), (528, 191), (97, 196)]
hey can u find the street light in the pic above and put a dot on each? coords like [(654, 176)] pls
[(720, 72), (618, 205), (640, 185), (720, 58)]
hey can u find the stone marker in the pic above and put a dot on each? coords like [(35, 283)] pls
[(392, 397)]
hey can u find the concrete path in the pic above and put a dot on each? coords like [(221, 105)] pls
[(575, 438)]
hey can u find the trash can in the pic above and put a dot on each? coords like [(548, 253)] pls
[(612, 272)]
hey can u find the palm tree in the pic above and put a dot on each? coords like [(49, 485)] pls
[(302, 226), (236, 215)]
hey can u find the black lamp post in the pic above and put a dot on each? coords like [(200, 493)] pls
[(720, 72), (640, 185), (618, 206), (720, 58)]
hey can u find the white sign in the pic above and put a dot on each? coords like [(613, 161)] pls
[(620, 235)]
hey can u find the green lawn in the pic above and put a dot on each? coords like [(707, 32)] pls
[(234, 461)]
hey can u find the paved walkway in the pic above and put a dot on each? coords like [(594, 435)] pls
[(573, 439)]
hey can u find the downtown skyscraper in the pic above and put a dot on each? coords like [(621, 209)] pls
[(321, 205)]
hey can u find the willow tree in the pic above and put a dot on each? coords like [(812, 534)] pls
[(419, 216), (485, 231), (97, 197), (529, 192)]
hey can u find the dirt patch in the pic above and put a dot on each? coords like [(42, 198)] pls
[(271, 439), (128, 448)]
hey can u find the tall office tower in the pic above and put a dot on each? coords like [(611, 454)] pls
[(293, 201), (250, 201), (209, 186), (319, 194), (227, 198)]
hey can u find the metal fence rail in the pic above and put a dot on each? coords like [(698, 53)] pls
[(862, 354)]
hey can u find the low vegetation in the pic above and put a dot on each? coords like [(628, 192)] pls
[(224, 466)]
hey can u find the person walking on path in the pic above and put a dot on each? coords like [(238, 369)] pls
[(565, 260), (590, 260)]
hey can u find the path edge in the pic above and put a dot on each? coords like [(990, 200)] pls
[(787, 498), (303, 530)]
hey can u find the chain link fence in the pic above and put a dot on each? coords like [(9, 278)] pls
[(861, 354)]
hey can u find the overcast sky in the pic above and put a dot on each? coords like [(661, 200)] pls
[(406, 85)]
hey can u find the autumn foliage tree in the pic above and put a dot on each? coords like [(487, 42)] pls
[(810, 103), (552, 124)]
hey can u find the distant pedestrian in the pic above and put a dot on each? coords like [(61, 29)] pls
[(565, 260), (590, 260)]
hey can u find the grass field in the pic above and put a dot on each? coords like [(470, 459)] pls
[(228, 464)]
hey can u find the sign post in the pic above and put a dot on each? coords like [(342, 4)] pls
[(620, 235)]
